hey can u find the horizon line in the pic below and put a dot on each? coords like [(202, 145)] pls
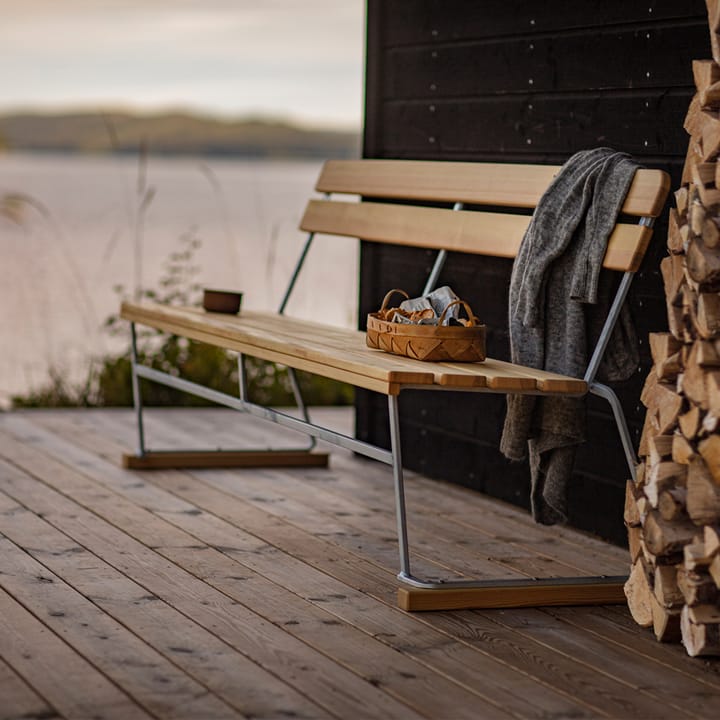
[(189, 110)]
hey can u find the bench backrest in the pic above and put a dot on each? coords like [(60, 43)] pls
[(471, 231)]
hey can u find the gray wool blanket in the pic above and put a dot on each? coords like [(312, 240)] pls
[(555, 276)]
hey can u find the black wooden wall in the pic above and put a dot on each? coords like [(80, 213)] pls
[(522, 81)]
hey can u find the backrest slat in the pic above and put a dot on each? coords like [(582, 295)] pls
[(482, 233), (506, 185)]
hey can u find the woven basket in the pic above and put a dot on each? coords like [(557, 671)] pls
[(436, 343)]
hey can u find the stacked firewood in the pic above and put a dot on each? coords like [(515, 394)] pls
[(672, 510)]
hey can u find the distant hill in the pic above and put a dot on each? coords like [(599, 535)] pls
[(171, 133)]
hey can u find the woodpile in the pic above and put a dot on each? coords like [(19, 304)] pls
[(672, 510)]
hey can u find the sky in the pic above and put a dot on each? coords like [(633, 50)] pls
[(300, 60)]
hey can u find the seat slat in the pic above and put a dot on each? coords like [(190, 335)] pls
[(338, 353), (480, 233), (507, 185)]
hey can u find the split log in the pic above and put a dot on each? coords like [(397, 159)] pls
[(672, 270), (693, 380), (665, 622), (711, 538), (711, 232), (689, 422), (696, 216), (664, 476), (703, 265), (705, 73), (675, 240), (664, 348), (693, 127), (703, 176), (660, 448), (709, 424), (710, 133), (707, 353), (699, 638), (703, 494), (695, 558), (714, 571), (634, 543), (706, 614), (712, 388), (707, 317), (682, 450), (665, 587), (713, 10), (681, 203), (671, 504), (710, 452), (639, 595), (694, 152), (631, 514), (662, 400), (666, 539), (696, 588), (650, 428)]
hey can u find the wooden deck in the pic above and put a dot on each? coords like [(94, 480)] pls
[(271, 593)]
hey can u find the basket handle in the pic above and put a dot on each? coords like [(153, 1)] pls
[(387, 297), (471, 317)]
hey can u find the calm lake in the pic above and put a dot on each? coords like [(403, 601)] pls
[(75, 228)]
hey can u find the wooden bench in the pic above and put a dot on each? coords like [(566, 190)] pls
[(342, 354)]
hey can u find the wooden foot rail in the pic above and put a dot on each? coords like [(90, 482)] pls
[(177, 460), (534, 593)]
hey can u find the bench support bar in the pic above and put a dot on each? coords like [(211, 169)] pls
[(269, 414)]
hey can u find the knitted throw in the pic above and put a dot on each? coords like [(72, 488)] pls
[(555, 276)]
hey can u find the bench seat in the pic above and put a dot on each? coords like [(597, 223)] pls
[(341, 354)]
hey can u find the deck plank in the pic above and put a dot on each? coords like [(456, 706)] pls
[(256, 552), (70, 684), (19, 700)]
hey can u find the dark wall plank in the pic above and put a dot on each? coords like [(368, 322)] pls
[(595, 59), (451, 21), (551, 126)]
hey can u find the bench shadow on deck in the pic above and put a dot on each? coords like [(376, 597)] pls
[(271, 593)]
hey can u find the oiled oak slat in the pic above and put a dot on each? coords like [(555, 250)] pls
[(339, 353), (511, 185), (479, 233)]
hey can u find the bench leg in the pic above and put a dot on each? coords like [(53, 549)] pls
[(144, 459), (137, 397), (608, 394), (416, 594)]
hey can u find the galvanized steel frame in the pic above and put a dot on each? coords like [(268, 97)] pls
[(393, 457)]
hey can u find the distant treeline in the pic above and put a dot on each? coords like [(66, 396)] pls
[(171, 133)]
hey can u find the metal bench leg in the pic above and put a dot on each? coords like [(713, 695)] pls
[(608, 394), (145, 459), (416, 594), (137, 398), (399, 488)]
